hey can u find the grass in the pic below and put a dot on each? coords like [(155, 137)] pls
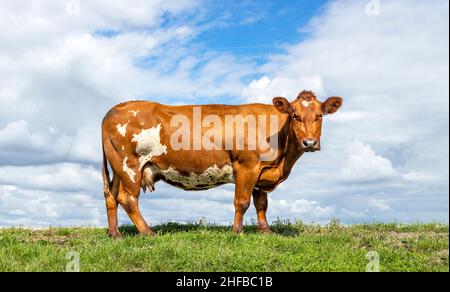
[(199, 247)]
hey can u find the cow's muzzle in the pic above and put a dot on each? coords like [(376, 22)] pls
[(310, 145)]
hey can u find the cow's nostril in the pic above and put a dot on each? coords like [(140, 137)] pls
[(309, 143)]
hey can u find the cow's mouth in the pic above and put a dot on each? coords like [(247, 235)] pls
[(309, 150)]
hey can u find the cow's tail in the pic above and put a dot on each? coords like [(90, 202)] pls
[(106, 147), (105, 173)]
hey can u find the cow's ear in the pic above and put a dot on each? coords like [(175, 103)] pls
[(331, 105), (282, 105)]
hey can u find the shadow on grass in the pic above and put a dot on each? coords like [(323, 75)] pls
[(280, 228)]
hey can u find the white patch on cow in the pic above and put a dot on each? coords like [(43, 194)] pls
[(149, 145), (123, 148), (128, 170), (306, 103), (122, 129), (135, 113), (209, 178)]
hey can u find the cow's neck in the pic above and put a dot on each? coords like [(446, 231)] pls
[(291, 153), (277, 172)]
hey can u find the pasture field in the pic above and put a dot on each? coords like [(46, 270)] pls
[(200, 247)]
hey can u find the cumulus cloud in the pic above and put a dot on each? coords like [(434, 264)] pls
[(44, 21), (308, 210), (22, 146), (37, 208), (57, 177), (50, 195), (364, 165), (265, 89), (18, 134)]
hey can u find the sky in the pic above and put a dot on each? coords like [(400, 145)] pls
[(385, 155)]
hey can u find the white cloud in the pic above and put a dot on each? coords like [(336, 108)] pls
[(62, 177), (43, 21), (348, 116), (381, 205), (422, 177), (21, 145), (364, 165), (18, 134), (265, 89), (36, 208), (308, 211)]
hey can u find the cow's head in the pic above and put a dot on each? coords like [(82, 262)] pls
[(306, 114)]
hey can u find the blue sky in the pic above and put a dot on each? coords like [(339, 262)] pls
[(385, 156), (257, 28)]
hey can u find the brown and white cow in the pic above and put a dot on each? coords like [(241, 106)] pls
[(139, 145)]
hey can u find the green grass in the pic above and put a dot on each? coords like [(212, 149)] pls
[(196, 247)]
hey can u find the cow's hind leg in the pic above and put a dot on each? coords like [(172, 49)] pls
[(110, 190), (130, 204), (111, 207), (261, 203)]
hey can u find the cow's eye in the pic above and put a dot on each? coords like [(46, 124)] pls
[(318, 118), (298, 118)]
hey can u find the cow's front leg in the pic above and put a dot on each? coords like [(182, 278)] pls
[(261, 203), (130, 204), (245, 180)]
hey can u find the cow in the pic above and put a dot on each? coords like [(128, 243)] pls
[(140, 149)]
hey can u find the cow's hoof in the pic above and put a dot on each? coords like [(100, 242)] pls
[(238, 230), (265, 230), (115, 235), (148, 233)]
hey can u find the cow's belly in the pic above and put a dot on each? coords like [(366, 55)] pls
[(211, 177)]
